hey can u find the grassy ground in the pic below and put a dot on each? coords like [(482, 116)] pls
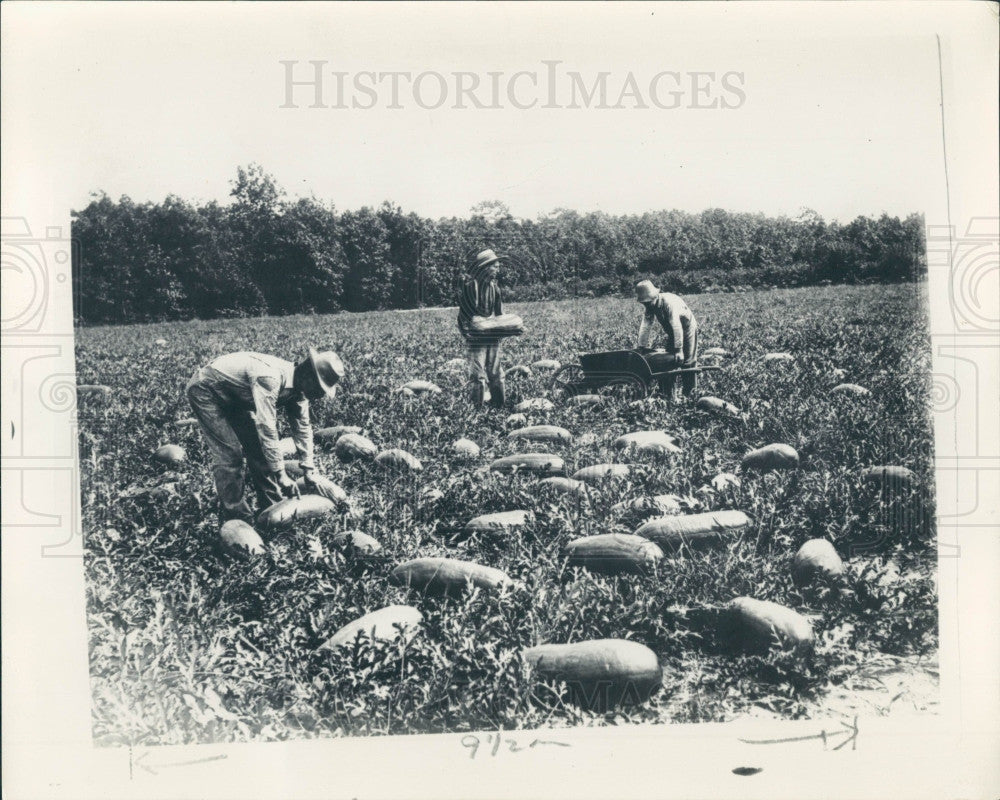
[(189, 645)]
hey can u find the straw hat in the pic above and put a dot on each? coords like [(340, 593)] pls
[(484, 259), (646, 291), (329, 369)]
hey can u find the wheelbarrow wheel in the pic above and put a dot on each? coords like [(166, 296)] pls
[(625, 387), (567, 382)]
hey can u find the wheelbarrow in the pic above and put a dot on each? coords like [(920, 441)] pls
[(627, 374)]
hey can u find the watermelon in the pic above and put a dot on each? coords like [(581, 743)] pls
[(660, 504), (850, 389), (655, 449), (334, 433), (778, 358), (598, 473), (499, 521), (517, 371), (324, 487), (455, 364), (293, 469), (694, 531), (542, 433), (817, 557), (465, 448), (361, 542), (726, 480), (601, 673), (385, 625), (756, 626), (889, 476), (647, 443), (715, 405), (773, 456), (353, 446), (447, 576), (422, 387), (585, 400), (614, 553), (565, 486), (239, 537), (429, 496), (716, 351), (538, 463), (170, 455), (285, 513), (534, 404), (636, 439), (546, 364), (497, 326), (399, 461)]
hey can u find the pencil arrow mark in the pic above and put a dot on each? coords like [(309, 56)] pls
[(822, 735), (853, 730), (138, 763), (193, 761), (153, 769)]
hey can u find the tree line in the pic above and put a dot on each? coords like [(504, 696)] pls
[(265, 253)]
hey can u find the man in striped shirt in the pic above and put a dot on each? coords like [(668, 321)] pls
[(236, 399), (681, 329), (480, 297)]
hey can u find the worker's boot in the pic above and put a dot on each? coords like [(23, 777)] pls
[(690, 383), (241, 512), (497, 395)]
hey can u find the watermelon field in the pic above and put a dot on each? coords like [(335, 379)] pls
[(192, 641)]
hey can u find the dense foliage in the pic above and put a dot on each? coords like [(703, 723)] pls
[(267, 254), (190, 645)]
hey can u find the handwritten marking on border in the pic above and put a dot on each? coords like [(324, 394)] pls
[(823, 735), (473, 743), (152, 768)]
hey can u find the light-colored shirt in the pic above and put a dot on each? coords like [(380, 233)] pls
[(262, 384), (671, 312)]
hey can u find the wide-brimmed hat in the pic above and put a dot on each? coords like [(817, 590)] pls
[(484, 259), (646, 291), (329, 369)]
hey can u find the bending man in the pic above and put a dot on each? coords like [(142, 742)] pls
[(236, 399), (681, 331)]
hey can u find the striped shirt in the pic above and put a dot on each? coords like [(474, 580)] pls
[(478, 298), (262, 384)]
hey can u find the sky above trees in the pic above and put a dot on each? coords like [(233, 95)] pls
[(146, 101)]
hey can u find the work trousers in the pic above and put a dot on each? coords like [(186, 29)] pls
[(485, 371), (689, 380), (234, 444)]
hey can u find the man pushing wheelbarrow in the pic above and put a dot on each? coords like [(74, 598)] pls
[(632, 374), (681, 331)]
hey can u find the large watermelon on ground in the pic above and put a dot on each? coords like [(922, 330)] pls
[(601, 674)]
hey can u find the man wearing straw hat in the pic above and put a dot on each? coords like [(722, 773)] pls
[(236, 399), (680, 327), (480, 297)]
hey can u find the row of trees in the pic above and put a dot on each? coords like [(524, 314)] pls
[(267, 254)]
